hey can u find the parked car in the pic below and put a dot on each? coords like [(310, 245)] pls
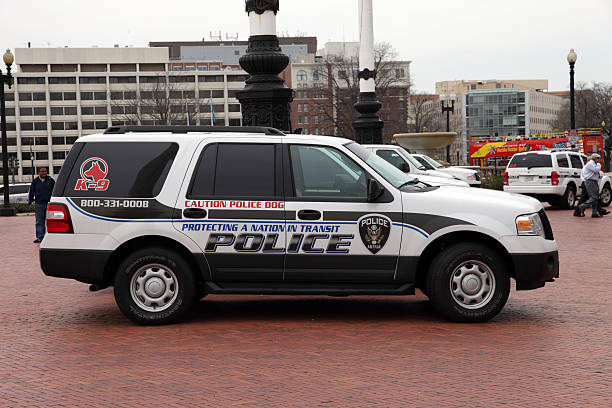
[(18, 193), (552, 176), (469, 176), (400, 158), (169, 214)]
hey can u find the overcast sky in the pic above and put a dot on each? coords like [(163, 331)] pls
[(445, 39)]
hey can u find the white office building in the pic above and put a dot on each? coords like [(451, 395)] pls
[(61, 94)]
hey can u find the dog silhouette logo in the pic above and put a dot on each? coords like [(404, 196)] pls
[(93, 175)]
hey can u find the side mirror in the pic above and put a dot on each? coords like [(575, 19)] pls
[(405, 167), (375, 190)]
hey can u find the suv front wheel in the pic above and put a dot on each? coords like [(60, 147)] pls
[(154, 286), (468, 282)]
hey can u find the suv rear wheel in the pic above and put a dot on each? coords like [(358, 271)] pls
[(569, 198), (605, 197), (154, 286), (468, 282)]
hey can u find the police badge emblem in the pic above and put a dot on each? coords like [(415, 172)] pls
[(374, 231)]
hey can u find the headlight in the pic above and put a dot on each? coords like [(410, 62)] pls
[(470, 177), (529, 225)]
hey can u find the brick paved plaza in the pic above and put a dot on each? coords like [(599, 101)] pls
[(64, 346)]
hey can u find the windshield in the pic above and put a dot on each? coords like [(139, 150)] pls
[(388, 171), (431, 161), (411, 159)]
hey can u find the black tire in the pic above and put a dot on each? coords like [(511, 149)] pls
[(457, 259), (160, 270), (569, 197), (605, 195)]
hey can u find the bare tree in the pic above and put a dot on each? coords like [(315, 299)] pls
[(425, 114), (342, 90), (592, 105), (158, 102)]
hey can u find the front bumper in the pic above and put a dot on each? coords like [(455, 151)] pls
[(83, 265), (532, 271)]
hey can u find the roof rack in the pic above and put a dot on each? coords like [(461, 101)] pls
[(118, 130)]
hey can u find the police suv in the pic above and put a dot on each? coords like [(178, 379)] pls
[(170, 214), (552, 176)]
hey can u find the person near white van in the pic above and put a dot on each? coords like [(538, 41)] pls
[(590, 177)]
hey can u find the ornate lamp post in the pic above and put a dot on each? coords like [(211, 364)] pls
[(448, 109), (265, 99), (368, 127), (6, 210), (571, 59), (607, 146)]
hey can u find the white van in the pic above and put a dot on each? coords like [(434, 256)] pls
[(169, 214), (552, 176)]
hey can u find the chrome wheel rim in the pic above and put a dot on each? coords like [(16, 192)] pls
[(472, 284), (154, 287), (605, 195), (571, 197)]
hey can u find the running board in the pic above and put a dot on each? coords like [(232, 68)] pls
[(297, 288)]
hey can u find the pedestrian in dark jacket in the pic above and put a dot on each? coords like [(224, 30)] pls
[(40, 194)]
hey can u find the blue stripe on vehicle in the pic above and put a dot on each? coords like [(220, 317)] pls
[(237, 221)]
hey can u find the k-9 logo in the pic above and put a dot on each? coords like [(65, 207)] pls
[(374, 231), (93, 175)]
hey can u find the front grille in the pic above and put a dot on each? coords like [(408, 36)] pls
[(548, 232)]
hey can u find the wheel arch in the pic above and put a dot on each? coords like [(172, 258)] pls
[(455, 237), (199, 267)]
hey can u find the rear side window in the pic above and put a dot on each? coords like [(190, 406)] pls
[(19, 189), (562, 160), (121, 169), (530, 160), (235, 170), (575, 159)]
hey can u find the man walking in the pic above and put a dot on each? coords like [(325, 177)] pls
[(590, 175), (40, 194)]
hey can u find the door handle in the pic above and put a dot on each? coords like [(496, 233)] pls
[(194, 213), (310, 215)]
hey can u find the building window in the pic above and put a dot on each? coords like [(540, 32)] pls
[(399, 73), (202, 68), (301, 75), (177, 69), (316, 75)]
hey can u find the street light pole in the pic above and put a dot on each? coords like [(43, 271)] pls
[(571, 59), (607, 146), (448, 109), (368, 126), (6, 210)]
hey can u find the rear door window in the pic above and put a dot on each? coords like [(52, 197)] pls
[(234, 170), (562, 160), (575, 159), (530, 161), (121, 169)]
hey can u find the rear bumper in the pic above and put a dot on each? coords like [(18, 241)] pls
[(532, 271), (535, 190), (85, 266)]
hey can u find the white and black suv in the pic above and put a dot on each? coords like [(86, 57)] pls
[(170, 214), (552, 176)]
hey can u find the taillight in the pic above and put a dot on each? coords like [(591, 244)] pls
[(554, 178), (505, 178), (58, 219)]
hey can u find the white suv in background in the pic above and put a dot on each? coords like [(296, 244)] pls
[(552, 176), (469, 176), (401, 159)]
